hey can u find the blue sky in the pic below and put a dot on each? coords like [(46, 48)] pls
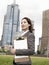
[(30, 8)]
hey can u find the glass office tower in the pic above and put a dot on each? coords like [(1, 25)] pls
[(11, 24)]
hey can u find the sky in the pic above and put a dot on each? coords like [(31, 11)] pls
[(29, 8)]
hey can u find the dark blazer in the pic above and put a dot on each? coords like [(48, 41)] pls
[(31, 45)]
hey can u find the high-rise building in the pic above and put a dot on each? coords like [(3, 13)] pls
[(45, 32), (11, 24)]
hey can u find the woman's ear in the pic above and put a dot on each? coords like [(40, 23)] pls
[(29, 25)]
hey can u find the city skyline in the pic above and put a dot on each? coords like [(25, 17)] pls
[(29, 8)]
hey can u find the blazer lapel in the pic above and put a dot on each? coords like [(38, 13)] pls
[(26, 34)]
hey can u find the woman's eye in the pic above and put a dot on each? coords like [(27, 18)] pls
[(21, 22), (24, 22)]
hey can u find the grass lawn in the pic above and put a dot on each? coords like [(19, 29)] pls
[(40, 61), (8, 59)]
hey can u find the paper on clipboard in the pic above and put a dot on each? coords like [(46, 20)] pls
[(21, 44)]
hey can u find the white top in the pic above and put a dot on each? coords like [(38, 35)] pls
[(24, 32)]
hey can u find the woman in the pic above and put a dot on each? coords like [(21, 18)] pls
[(28, 32)]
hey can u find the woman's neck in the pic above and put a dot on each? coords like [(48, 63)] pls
[(25, 29)]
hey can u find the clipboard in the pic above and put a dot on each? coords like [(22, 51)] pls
[(20, 43)]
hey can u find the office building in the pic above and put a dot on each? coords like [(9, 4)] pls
[(11, 24), (45, 33)]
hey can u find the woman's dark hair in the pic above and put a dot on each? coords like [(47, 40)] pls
[(29, 22)]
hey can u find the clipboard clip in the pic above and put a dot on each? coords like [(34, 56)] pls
[(20, 38)]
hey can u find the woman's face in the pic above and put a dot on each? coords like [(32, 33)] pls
[(25, 25)]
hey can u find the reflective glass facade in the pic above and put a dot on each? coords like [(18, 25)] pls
[(11, 24)]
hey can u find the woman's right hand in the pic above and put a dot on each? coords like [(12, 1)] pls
[(13, 51)]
